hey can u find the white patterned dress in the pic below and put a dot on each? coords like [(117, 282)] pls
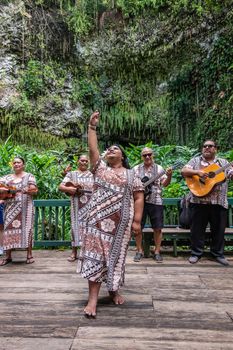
[(18, 214), (79, 204), (108, 230)]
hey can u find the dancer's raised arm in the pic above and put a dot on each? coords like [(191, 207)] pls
[(92, 138)]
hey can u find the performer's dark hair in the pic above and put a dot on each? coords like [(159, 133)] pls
[(21, 158), (125, 160)]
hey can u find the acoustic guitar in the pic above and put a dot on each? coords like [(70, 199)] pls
[(79, 189), (147, 181), (201, 187)]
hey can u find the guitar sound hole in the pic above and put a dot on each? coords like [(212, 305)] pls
[(145, 179), (211, 174)]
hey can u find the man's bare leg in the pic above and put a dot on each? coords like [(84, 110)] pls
[(158, 236), (139, 253), (138, 240)]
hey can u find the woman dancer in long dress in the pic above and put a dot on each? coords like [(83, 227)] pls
[(115, 210)]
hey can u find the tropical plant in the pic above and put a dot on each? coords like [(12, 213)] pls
[(48, 166)]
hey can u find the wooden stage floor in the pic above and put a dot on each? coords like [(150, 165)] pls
[(173, 305)]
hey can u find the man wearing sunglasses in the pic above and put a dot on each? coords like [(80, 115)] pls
[(210, 208), (153, 205)]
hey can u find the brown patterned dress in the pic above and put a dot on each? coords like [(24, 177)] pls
[(108, 230), (79, 204), (18, 214)]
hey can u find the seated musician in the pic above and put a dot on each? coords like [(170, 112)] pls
[(153, 206), (83, 178), (208, 201)]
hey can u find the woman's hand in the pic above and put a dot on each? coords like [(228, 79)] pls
[(169, 172), (94, 119), (71, 190), (31, 190), (67, 169)]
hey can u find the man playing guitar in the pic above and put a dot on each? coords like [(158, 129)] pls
[(208, 205), (153, 206)]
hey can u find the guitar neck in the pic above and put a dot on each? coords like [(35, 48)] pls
[(177, 165), (220, 170), (85, 191), (154, 178)]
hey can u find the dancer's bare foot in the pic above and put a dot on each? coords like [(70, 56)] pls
[(90, 309), (117, 298), (72, 258)]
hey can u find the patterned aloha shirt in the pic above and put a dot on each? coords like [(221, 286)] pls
[(219, 193), (155, 197)]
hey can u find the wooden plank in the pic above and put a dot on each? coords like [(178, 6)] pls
[(29, 343), (168, 306), (169, 334), (144, 345), (205, 295), (106, 338)]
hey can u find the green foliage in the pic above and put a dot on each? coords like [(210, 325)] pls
[(177, 7), (47, 166), (47, 171), (82, 14), (166, 156), (22, 106), (200, 104), (86, 91), (160, 71), (38, 78), (32, 80), (78, 20)]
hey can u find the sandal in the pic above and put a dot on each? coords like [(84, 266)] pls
[(72, 258), (30, 260), (5, 261)]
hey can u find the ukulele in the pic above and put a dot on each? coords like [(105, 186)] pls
[(12, 190), (79, 189), (147, 181), (201, 187), (10, 193)]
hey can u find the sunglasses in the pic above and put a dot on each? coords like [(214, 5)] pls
[(208, 146), (147, 155)]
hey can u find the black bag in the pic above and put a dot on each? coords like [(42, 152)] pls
[(184, 212)]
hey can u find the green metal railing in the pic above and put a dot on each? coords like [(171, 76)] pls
[(52, 223), (52, 220)]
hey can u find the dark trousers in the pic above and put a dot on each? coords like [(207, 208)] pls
[(201, 215)]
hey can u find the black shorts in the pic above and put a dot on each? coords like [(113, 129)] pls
[(155, 213)]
